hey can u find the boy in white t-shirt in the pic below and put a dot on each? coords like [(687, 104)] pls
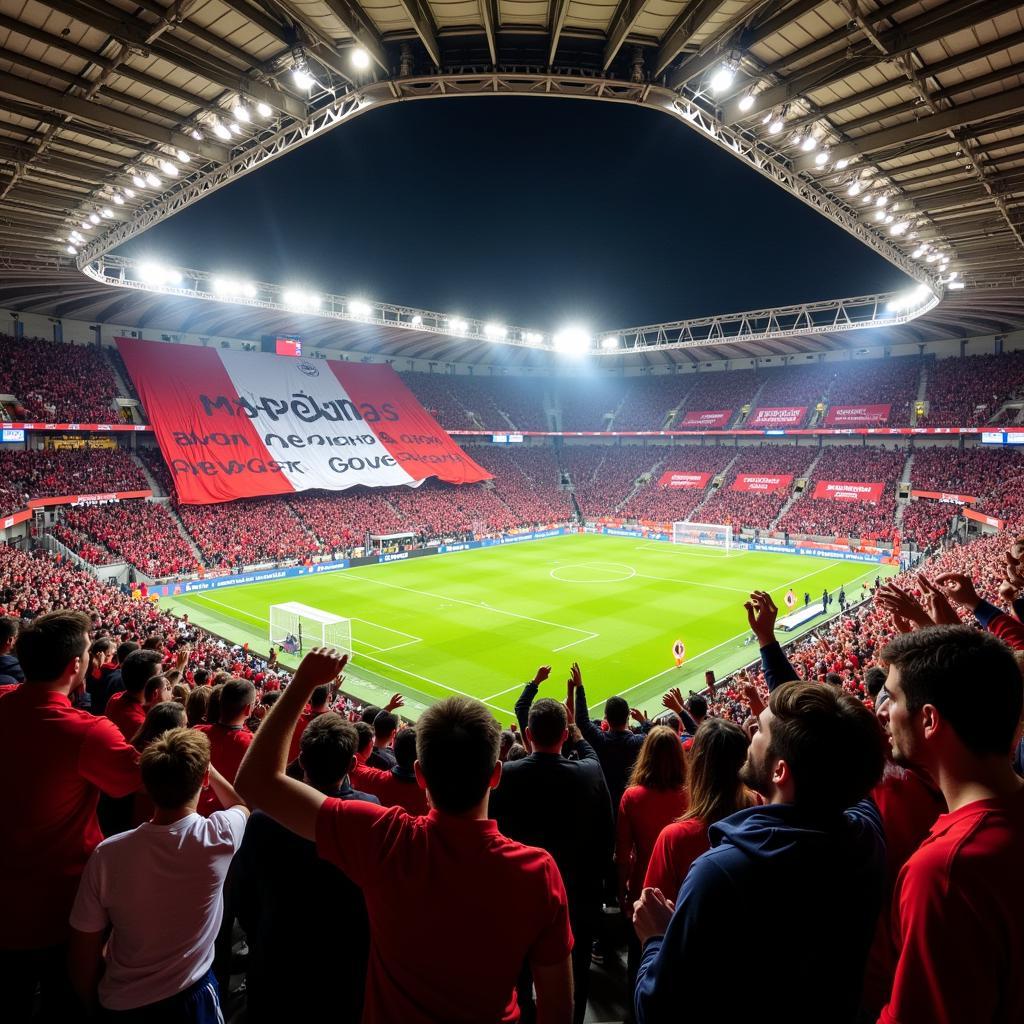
[(154, 895)]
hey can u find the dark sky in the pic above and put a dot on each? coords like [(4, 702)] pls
[(527, 211)]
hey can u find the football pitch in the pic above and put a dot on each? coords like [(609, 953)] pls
[(480, 622)]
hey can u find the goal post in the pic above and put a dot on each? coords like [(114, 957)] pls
[(718, 535), (297, 628)]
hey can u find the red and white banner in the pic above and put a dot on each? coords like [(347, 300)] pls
[(953, 499), (843, 490), (785, 416), (980, 517), (88, 499), (243, 424), (762, 484), (856, 415), (709, 419), (680, 480), (135, 428)]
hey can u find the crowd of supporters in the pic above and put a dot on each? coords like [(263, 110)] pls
[(757, 509), (647, 401), (603, 476), (968, 392), (588, 403), (891, 382), (793, 386), (528, 481), (458, 873), (869, 520), (666, 504), (53, 473), (81, 392)]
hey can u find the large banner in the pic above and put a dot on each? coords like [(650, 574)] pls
[(715, 419), (952, 499), (243, 424), (843, 490), (762, 484), (695, 480), (786, 416), (856, 415)]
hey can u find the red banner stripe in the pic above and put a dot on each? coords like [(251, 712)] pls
[(715, 418), (846, 490), (684, 480), (760, 483), (856, 415), (778, 416)]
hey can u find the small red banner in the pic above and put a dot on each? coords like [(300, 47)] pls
[(844, 490), (712, 420), (762, 484), (980, 517), (785, 416), (856, 415), (953, 499), (680, 480), (85, 499)]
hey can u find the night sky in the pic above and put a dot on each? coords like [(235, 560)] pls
[(526, 211)]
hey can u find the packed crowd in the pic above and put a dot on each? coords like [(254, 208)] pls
[(666, 504), (460, 870), (527, 479), (731, 389), (968, 392), (891, 382), (757, 509), (794, 386), (603, 476), (54, 473), (867, 520), (82, 392), (588, 403), (647, 401)]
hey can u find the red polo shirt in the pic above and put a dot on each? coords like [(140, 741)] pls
[(56, 759), (958, 919), (391, 790), (643, 813), (444, 945), (228, 744), (678, 846), (127, 713)]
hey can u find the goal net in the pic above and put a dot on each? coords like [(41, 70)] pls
[(717, 535), (297, 628)]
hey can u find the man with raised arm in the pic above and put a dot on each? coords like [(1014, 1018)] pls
[(443, 948)]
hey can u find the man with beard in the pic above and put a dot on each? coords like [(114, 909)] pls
[(806, 869), (958, 907)]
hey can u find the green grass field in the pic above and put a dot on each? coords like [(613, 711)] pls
[(480, 622)]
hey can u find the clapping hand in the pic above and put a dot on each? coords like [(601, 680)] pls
[(638, 716), (541, 674), (959, 589), (761, 616), (319, 667), (397, 701), (905, 609), (934, 602), (673, 700)]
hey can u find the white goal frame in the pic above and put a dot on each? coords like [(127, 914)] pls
[(297, 628), (717, 535)]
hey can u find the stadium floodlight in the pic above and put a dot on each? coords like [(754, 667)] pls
[(881, 200), (572, 341), (956, 285), (822, 158), (809, 144), (196, 134), (94, 217), (153, 181), (746, 102), (909, 300), (776, 126), (155, 274), (458, 326), (86, 226), (168, 168), (301, 76), (534, 338), (235, 127), (239, 113), (496, 332), (228, 286), (106, 213), (917, 253), (130, 193), (138, 181), (723, 77), (183, 157), (357, 307), (417, 320), (854, 189), (119, 199), (220, 131), (72, 250), (841, 165), (263, 109), (610, 342), (360, 59), (303, 299)]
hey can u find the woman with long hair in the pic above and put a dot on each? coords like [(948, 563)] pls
[(655, 796), (719, 751), (196, 705)]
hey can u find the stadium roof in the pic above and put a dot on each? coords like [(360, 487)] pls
[(115, 115)]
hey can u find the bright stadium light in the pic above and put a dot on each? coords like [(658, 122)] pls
[(746, 102), (417, 320), (94, 217), (155, 274), (841, 165), (302, 299), (106, 213), (360, 59), (854, 189), (957, 285), (357, 307), (196, 134), (138, 181), (572, 341), (130, 193), (723, 77), (119, 199), (229, 286), (496, 332), (302, 78), (534, 338), (909, 300), (235, 127), (153, 181), (168, 168), (881, 200), (458, 326), (72, 250), (239, 113), (776, 126), (610, 342), (220, 131), (809, 144), (183, 157), (263, 109), (821, 159)]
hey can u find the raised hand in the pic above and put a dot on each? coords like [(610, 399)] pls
[(319, 667), (934, 602), (761, 616), (1008, 592), (638, 716), (673, 700), (397, 701), (898, 602), (541, 674), (575, 676), (959, 589)]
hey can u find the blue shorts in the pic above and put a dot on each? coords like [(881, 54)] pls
[(197, 1004)]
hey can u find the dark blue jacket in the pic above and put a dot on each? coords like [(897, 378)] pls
[(798, 897)]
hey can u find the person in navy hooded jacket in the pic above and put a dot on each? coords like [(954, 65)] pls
[(799, 879)]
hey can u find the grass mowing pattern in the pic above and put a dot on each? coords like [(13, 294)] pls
[(480, 622)]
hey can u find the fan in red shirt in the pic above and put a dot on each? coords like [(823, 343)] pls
[(127, 709), (397, 787), (715, 791), (229, 738), (441, 948), (958, 910), (73, 756)]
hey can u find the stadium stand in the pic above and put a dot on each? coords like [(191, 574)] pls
[(588, 404), (82, 392), (794, 386), (527, 479), (970, 391), (662, 504), (604, 475), (746, 508), (720, 390), (826, 518), (891, 382), (52, 473), (648, 400)]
